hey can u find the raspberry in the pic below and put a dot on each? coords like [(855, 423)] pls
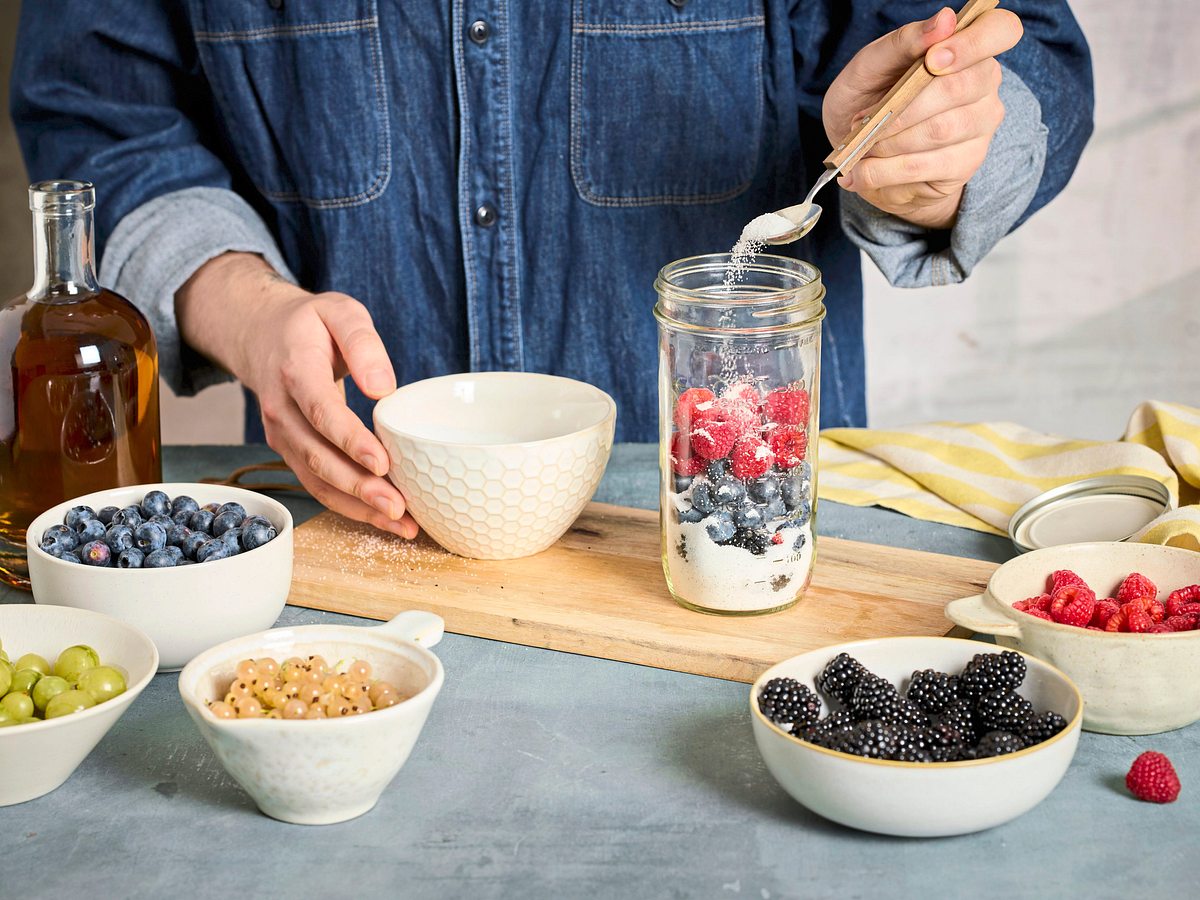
[(1182, 622), (751, 457), (1134, 586), (713, 433), (777, 538), (1105, 610), (787, 406), (1182, 597), (689, 403), (683, 461), (1073, 604), (1061, 578), (1152, 778), (1159, 628), (789, 445), (1136, 617), (1040, 614), (743, 392), (1117, 621)]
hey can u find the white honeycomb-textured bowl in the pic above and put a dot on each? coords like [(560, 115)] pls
[(496, 465)]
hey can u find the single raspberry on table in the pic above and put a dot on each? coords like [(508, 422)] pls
[(1061, 578), (751, 457), (688, 404), (1073, 604), (789, 445), (1134, 586), (1137, 619), (1105, 610), (713, 433), (683, 460), (1152, 778), (787, 406), (1182, 597)]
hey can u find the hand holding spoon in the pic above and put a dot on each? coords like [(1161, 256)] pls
[(863, 137)]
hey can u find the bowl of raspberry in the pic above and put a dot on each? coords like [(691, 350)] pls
[(1121, 619), (496, 465), (916, 736)]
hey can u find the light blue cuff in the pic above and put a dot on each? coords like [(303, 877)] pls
[(159, 246), (993, 200)]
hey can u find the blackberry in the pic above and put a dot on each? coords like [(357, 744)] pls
[(789, 704), (932, 691), (755, 540), (997, 743), (909, 715), (911, 745), (987, 672), (839, 677), (1003, 711), (828, 729), (874, 698), (873, 738), (945, 743), (1042, 728), (961, 717)]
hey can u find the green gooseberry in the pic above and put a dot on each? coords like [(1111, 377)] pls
[(74, 660), (6, 676), (17, 704), (33, 661), (47, 689), (102, 683), (6, 717), (24, 681), (68, 702)]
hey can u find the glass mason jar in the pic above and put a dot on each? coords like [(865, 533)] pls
[(739, 372)]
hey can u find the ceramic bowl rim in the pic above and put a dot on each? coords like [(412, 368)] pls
[(608, 417), (1024, 619), (125, 698), (433, 687), (1073, 724), (32, 544)]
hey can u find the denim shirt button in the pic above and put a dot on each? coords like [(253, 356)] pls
[(275, 4), (486, 215), (678, 4), (479, 32)]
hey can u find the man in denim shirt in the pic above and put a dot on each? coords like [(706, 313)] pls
[(494, 185)]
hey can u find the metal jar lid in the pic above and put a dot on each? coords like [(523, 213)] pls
[(1106, 508)]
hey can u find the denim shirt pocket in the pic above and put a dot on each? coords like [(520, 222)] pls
[(666, 100), (301, 93)]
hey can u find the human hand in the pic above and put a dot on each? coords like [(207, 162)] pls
[(919, 167), (291, 348)]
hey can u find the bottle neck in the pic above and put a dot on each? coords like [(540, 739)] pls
[(63, 264)]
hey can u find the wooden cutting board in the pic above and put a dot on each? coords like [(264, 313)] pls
[(600, 591)]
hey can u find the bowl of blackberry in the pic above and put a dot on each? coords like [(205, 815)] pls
[(190, 564), (916, 736)]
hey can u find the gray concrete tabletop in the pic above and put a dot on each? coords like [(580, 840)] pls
[(548, 775)]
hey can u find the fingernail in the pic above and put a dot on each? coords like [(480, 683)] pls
[(931, 23), (385, 506), (940, 59), (377, 382), (370, 463), (847, 181)]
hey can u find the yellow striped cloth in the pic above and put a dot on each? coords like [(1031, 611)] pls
[(977, 475)]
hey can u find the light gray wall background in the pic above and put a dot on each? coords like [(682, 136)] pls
[(1093, 306)]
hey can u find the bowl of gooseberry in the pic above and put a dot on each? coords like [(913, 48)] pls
[(220, 584), (315, 721), (66, 677)]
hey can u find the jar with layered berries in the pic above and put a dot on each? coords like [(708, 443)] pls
[(739, 372)]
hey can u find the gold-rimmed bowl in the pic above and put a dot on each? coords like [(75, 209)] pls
[(919, 799)]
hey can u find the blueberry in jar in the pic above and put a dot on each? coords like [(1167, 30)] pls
[(260, 531), (681, 483), (150, 537), (775, 510), (720, 527), (130, 559), (792, 491), (692, 516), (95, 553), (716, 470), (77, 514), (226, 520), (702, 498), (729, 492), (202, 520), (91, 530), (765, 489), (105, 515), (155, 503), (159, 559), (118, 537), (130, 515), (748, 516)]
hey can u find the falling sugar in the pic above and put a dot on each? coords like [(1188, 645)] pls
[(753, 238)]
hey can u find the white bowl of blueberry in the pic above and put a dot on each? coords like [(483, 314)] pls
[(192, 565), (916, 736)]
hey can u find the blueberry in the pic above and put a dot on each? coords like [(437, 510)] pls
[(230, 518), (801, 540), (213, 508), (213, 549), (193, 542), (792, 492), (177, 534), (118, 538), (150, 537), (60, 534), (184, 503), (717, 469), (186, 562), (233, 537), (802, 514), (233, 507), (201, 520), (748, 516), (91, 530), (730, 492), (720, 527), (174, 552), (182, 517), (163, 520), (775, 509), (682, 483), (257, 533), (702, 498), (131, 559), (155, 503), (105, 515), (765, 489), (95, 553), (159, 559), (54, 548), (685, 515), (130, 515), (77, 514), (70, 557)]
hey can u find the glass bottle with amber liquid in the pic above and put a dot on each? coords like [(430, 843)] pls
[(78, 378)]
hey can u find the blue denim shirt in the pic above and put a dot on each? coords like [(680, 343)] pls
[(500, 182)]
